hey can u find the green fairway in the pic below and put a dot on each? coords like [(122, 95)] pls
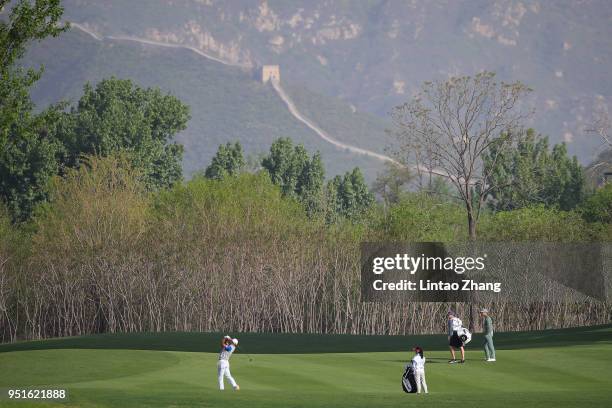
[(539, 369)]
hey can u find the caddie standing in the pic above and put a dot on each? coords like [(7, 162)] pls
[(454, 325), (228, 345), (488, 335)]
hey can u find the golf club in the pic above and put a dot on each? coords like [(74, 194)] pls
[(247, 354)]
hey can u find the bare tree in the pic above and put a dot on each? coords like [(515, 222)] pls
[(452, 124), (108, 258)]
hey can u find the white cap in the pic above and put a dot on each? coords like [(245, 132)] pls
[(226, 337), (235, 341)]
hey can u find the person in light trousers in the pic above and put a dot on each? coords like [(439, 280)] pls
[(418, 365), (488, 337), (228, 345)]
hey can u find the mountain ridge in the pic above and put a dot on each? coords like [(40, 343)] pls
[(375, 54), (276, 84), (247, 103)]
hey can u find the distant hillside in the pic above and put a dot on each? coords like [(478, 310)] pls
[(375, 53), (227, 103)]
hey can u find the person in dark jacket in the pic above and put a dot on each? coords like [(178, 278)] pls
[(454, 342)]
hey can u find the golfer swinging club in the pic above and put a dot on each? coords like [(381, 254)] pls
[(228, 345), (454, 325)]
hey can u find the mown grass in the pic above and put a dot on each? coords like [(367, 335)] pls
[(277, 343), (560, 368)]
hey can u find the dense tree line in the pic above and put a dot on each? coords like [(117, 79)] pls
[(531, 173), (106, 255), (113, 116), (301, 177), (27, 155)]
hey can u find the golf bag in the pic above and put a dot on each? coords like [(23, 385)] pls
[(465, 335), (408, 381)]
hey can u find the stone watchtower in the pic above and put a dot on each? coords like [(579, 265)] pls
[(270, 73)]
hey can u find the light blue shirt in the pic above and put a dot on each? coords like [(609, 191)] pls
[(226, 352)]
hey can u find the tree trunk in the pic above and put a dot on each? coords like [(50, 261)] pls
[(472, 324), (472, 235), (471, 224)]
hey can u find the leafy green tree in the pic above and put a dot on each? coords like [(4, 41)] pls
[(598, 207), (529, 173), (285, 163), (439, 187), (27, 154), (228, 161), (297, 174), (536, 223), (28, 21), (310, 185), (363, 197), (27, 162), (391, 182), (348, 196), (119, 116), (422, 217), (246, 207)]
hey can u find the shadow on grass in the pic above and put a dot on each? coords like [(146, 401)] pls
[(277, 343), (430, 360)]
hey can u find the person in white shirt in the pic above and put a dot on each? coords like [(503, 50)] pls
[(418, 365), (228, 345), (454, 325)]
